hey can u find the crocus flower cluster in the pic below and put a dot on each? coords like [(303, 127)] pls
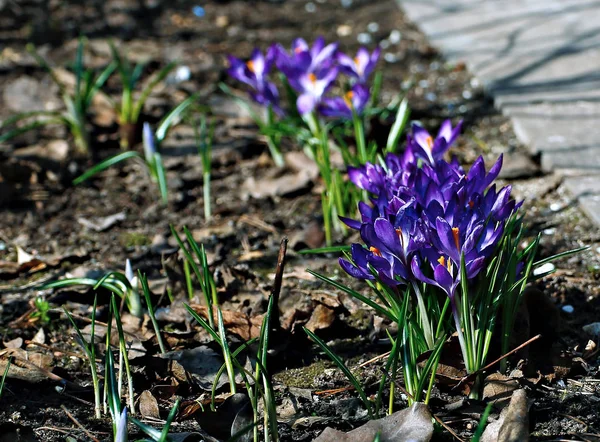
[(311, 71), (427, 215)]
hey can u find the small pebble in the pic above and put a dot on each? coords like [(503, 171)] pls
[(182, 73), (430, 96), (364, 38), (434, 65), (424, 84), (2, 246), (462, 109), (373, 27), (395, 37), (346, 3), (467, 95), (475, 83), (568, 308), (549, 231), (198, 11), (548, 267), (384, 44), (344, 30), (390, 58), (555, 207), (310, 7)]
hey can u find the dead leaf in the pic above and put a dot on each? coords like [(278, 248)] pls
[(14, 343), (235, 322), (411, 424), (202, 363), (283, 185), (499, 388), (513, 423), (100, 224), (149, 405), (322, 317)]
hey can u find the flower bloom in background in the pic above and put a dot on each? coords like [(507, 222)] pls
[(312, 87), (311, 71), (341, 107), (305, 59), (254, 73), (361, 66)]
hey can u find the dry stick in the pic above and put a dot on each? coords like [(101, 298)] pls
[(76, 422), (58, 350), (375, 359), (274, 325), (514, 350), (450, 430)]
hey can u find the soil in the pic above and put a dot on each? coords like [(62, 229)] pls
[(46, 216)]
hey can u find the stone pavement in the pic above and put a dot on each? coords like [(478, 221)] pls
[(540, 60)]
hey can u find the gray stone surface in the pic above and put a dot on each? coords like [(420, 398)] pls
[(540, 60)]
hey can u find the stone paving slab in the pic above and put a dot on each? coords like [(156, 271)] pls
[(540, 60)]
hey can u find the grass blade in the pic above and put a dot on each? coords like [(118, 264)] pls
[(5, 375), (171, 118), (105, 165)]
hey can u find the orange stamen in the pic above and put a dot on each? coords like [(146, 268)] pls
[(429, 142), (399, 233), (348, 98), (298, 50), (455, 235), (312, 77), (471, 204), (442, 260), (250, 65), (375, 251)]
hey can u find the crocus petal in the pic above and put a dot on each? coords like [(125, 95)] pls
[(306, 103)]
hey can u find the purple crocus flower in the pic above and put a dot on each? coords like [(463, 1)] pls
[(254, 73), (341, 107), (305, 59), (423, 146), (312, 87), (361, 66)]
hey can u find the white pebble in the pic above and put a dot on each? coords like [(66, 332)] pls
[(467, 95), (549, 231), (364, 38), (548, 267), (395, 37), (390, 58), (568, 308), (373, 27), (310, 7), (384, 44), (555, 207), (346, 3), (344, 30)]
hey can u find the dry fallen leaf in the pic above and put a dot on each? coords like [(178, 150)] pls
[(411, 424), (148, 405)]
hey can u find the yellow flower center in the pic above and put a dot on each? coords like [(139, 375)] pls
[(455, 234), (375, 251), (312, 77), (250, 65), (348, 98), (429, 143)]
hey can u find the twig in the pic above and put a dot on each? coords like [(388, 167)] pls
[(491, 364), (76, 422), (275, 325), (375, 359), (450, 430)]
